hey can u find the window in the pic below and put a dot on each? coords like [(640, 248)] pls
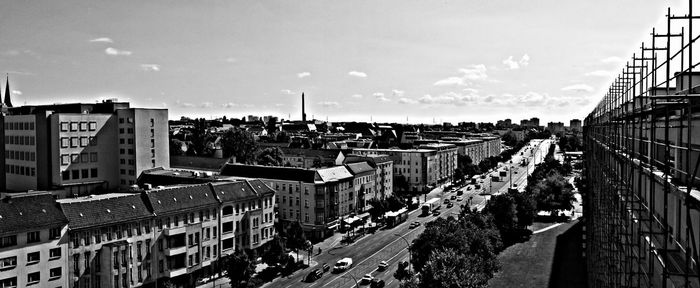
[(228, 210), (65, 159), (87, 261), (33, 278), (93, 141), (84, 157), (93, 157), (73, 126), (74, 142), (92, 126), (55, 253), (65, 142), (75, 174), (33, 237), (84, 173), (9, 282), (65, 175), (93, 173), (84, 141), (33, 257), (55, 273), (227, 227), (64, 126), (54, 233), (121, 140), (8, 263), (83, 126)]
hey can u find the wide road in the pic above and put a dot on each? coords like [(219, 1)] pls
[(387, 245)]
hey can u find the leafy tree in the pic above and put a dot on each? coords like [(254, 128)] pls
[(401, 183), (554, 193), (176, 147), (447, 268), (272, 156), (526, 207), (459, 174), (239, 269), (296, 239), (394, 203), (505, 214), (274, 253), (401, 273), (509, 139), (241, 144), (378, 207)]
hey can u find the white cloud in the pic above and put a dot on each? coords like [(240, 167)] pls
[(117, 52), (450, 98), (287, 92), (206, 105), (381, 97), (378, 94), (229, 105), (601, 73), (356, 96), (231, 60), (16, 92), (397, 92), (150, 67), (183, 104), (404, 100), (102, 40), (357, 74), (303, 74), (578, 88), (471, 73), (612, 59), (513, 64), (450, 81), (329, 104)]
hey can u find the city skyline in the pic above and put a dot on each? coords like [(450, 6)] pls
[(385, 61)]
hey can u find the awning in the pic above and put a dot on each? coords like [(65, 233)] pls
[(351, 220), (364, 215)]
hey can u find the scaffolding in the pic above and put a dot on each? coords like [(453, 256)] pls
[(642, 150)]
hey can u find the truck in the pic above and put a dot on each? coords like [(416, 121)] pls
[(503, 173), (395, 218), (495, 178), (430, 205)]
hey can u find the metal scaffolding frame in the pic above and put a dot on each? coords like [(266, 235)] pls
[(642, 153)]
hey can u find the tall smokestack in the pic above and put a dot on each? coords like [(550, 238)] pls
[(303, 111)]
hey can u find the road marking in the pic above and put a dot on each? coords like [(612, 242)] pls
[(546, 228)]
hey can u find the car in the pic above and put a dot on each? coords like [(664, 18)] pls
[(366, 279), (376, 283), (459, 198), (325, 267), (459, 192), (447, 201), (382, 266), (469, 188), (453, 197), (436, 213), (515, 171), (450, 205), (343, 264), (414, 224), (313, 275)]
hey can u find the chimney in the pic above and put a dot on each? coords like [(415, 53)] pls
[(303, 111)]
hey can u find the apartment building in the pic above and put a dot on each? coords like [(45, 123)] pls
[(312, 158), (81, 148), (111, 239), (384, 172), (364, 183), (33, 249), (315, 198)]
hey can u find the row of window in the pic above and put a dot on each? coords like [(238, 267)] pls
[(75, 174), (78, 126), (109, 233), (19, 125), (20, 170), (20, 155), (32, 278), (20, 140), (32, 258), (67, 159), (187, 218), (244, 207), (32, 237), (74, 142)]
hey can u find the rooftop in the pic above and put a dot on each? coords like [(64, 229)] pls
[(104, 209), (27, 212)]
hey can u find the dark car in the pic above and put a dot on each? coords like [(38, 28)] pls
[(450, 205), (325, 267), (376, 283), (313, 275)]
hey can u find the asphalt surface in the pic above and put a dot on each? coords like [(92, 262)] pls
[(385, 245)]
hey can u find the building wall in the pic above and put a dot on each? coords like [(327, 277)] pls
[(45, 266), (143, 143), (20, 149)]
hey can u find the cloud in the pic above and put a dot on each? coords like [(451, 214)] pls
[(450, 98), (116, 52), (404, 100), (578, 88), (471, 73), (512, 64), (357, 74), (287, 92), (183, 104), (381, 97), (206, 105), (229, 105), (538, 100), (303, 74), (150, 67), (356, 96), (329, 104), (601, 73), (16, 92), (102, 40), (612, 59), (231, 60), (397, 92)]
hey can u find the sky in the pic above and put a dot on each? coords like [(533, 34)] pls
[(375, 60)]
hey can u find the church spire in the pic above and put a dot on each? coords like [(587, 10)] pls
[(8, 100)]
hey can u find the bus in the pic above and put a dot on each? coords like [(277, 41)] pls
[(430, 205), (395, 218)]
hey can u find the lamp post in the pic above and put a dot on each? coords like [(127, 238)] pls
[(353, 279), (408, 246)]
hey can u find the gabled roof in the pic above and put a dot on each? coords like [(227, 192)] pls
[(105, 210), (333, 174), (359, 168), (179, 198), (29, 212), (241, 190)]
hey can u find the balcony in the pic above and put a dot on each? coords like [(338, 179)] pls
[(177, 272), (175, 251), (174, 231)]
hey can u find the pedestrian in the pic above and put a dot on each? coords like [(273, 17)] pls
[(319, 250)]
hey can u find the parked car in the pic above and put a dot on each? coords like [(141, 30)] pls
[(313, 275), (436, 213), (343, 264), (376, 283), (414, 224), (446, 201), (382, 266), (454, 197), (325, 267), (366, 279), (459, 198), (469, 188), (449, 205)]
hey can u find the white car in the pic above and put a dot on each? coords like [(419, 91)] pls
[(343, 264), (366, 279), (382, 266)]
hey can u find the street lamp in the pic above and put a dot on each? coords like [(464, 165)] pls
[(408, 246), (353, 278)]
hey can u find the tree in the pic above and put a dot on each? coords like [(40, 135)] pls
[(402, 271), (176, 147), (378, 207), (241, 144), (459, 174), (272, 156), (394, 203), (554, 193), (509, 139), (296, 239), (447, 268), (239, 269), (401, 183), (274, 251), (505, 215)]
